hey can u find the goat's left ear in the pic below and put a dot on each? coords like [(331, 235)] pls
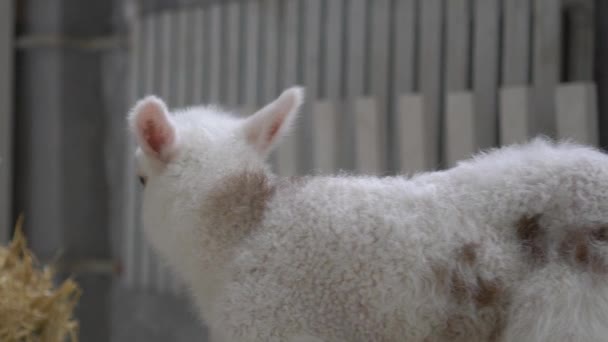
[(152, 126), (264, 129)]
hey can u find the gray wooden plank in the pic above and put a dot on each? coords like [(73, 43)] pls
[(379, 72), (405, 30), (485, 72), (368, 141), (577, 116), (166, 66), (6, 120), (581, 36), (516, 42), (180, 62), (325, 132), (356, 48), (413, 136), (460, 126), (150, 58), (286, 157), (547, 52), (270, 9), (233, 51), (430, 57), (354, 58), (215, 54), (252, 51), (199, 61), (516, 117), (333, 49), (458, 44), (311, 77)]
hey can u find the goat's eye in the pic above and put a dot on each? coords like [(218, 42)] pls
[(142, 180)]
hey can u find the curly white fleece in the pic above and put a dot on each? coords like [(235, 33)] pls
[(510, 245)]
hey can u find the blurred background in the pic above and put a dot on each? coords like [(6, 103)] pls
[(393, 86)]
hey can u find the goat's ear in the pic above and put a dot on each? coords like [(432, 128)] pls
[(152, 126), (264, 129)]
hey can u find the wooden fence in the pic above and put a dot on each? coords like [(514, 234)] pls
[(393, 86)]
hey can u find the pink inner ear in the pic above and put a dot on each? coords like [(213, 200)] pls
[(154, 135), (274, 129)]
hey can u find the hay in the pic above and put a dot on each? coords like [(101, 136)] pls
[(31, 308)]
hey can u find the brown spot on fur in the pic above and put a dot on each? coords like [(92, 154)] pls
[(487, 292), (580, 248), (531, 235), (468, 253), (237, 204)]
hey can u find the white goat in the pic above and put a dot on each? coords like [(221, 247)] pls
[(511, 245)]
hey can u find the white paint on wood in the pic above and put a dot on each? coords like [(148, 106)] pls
[(516, 119), (214, 81), (576, 105), (485, 72), (460, 127), (412, 135), (516, 42), (547, 52), (6, 118), (252, 51), (367, 132), (324, 136)]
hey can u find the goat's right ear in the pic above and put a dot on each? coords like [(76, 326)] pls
[(268, 125), (153, 128)]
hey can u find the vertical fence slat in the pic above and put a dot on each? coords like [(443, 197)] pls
[(581, 36), (287, 151), (233, 51), (403, 79), (214, 82), (516, 42), (6, 121), (355, 63), (485, 73), (147, 271), (271, 50), (515, 101), (252, 47), (180, 61), (368, 156), (199, 62), (458, 44), (516, 120), (166, 66), (413, 136), (546, 65), (378, 75), (459, 126), (333, 49), (576, 106), (430, 57), (325, 148), (404, 26), (312, 65)]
